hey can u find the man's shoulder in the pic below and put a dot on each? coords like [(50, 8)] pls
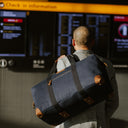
[(62, 62), (63, 59)]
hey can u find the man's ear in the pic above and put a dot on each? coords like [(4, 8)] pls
[(73, 42)]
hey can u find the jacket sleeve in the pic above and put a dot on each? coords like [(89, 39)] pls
[(112, 102)]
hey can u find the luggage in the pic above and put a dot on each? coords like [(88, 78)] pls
[(66, 94)]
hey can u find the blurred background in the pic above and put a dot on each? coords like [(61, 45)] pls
[(31, 39)]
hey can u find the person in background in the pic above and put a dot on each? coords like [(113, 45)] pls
[(99, 115)]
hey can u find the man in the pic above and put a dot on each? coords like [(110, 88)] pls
[(97, 116)]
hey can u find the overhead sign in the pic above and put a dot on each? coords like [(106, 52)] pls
[(94, 1), (63, 7)]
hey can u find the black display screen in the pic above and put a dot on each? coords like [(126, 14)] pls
[(27, 39), (41, 34), (109, 34), (99, 26), (38, 38), (120, 36), (12, 33)]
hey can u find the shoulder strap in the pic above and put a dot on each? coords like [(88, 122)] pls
[(76, 77), (76, 57)]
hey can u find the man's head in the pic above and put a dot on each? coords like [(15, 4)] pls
[(80, 37)]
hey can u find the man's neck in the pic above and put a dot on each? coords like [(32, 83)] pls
[(81, 48)]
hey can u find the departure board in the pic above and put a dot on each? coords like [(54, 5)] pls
[(67, 24), (32, 40), (99, 26), (12, 33)]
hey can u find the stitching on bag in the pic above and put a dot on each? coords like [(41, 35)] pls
[(61, 75)]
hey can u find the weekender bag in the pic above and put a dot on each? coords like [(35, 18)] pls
[(67, 93)]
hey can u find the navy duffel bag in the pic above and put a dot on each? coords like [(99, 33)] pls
[(65, 94)]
